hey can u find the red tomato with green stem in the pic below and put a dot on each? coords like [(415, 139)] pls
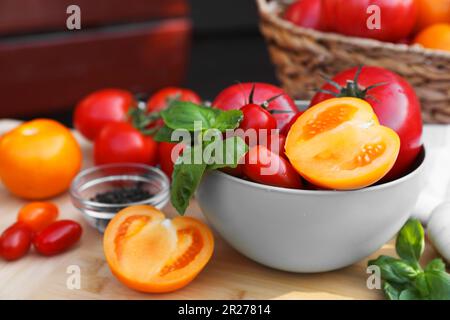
[(353, 17), (238, 95), (168, 153), (306, 13), (57, 237), (266, 167), (121, 142), (15, 241), (394, 102), (100, 108)]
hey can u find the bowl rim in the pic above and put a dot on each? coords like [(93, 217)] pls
[(419, 168), (74, 186)]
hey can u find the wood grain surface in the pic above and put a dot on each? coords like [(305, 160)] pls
[(229, 275)]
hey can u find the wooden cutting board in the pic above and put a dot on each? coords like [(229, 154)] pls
[(229, 275)]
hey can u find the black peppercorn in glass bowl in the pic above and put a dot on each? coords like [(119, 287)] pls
[(102, 191)]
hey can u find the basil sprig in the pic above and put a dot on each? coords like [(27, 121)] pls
[(404, 278), (189, 167)]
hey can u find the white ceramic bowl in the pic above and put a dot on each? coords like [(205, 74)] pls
[(307, 231)]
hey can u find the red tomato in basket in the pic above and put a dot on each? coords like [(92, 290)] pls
[(121, 142), (101, 107), (238, 95), (15, 241), (57, 237), (396, 106), (305, 13), (266, 167), (397, 18)]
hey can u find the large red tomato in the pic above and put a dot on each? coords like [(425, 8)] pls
[(351, 17), (121, 142), (160, 99), (305, 13), (238, 95), (395, 104), (100, 108)]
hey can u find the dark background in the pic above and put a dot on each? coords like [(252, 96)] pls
[(226, 47)]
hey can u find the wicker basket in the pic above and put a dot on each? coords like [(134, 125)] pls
[(300, 55)]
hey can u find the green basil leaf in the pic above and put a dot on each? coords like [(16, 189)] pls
[(438, 284), (185, 178), (164, 134), (410, 294), (395, 270), (436, 265), (420, 283), (232, 150), (411, 241), (390, 291), (228, 120), (183, 115)]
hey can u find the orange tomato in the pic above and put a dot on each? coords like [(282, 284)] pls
[(436, 36), (339, 144), (431, 12), (150, 253), (39, 159), (38, 215)]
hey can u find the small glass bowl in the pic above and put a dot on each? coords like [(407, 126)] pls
[(92, 181)]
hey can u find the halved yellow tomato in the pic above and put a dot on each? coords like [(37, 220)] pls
[(150, 253), (339, 144)]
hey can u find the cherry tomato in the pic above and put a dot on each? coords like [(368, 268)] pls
[(395, 104), (256, 118), (57, 237), (266, 167), (305, 13), (159, 100), (100, 108), (287, 127), (15, 241), (351, 17), (38, 215), (168, 153), (432, 12), (121, 142), (238, 95)]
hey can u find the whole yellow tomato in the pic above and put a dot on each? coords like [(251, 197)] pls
[(39, 159), (431, 12), (436, 37)]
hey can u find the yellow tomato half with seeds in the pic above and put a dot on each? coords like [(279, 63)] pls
[(150, 253), (339, 144), (39, 159)]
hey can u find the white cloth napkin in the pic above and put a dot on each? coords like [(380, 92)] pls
[(437, 176)]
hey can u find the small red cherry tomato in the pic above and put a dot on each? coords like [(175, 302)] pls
[(101, 107), (121, 142), (161, 99), (15, 241), (57, 237), (256, 117), (38, 215), (266, 167), (166, 158)]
